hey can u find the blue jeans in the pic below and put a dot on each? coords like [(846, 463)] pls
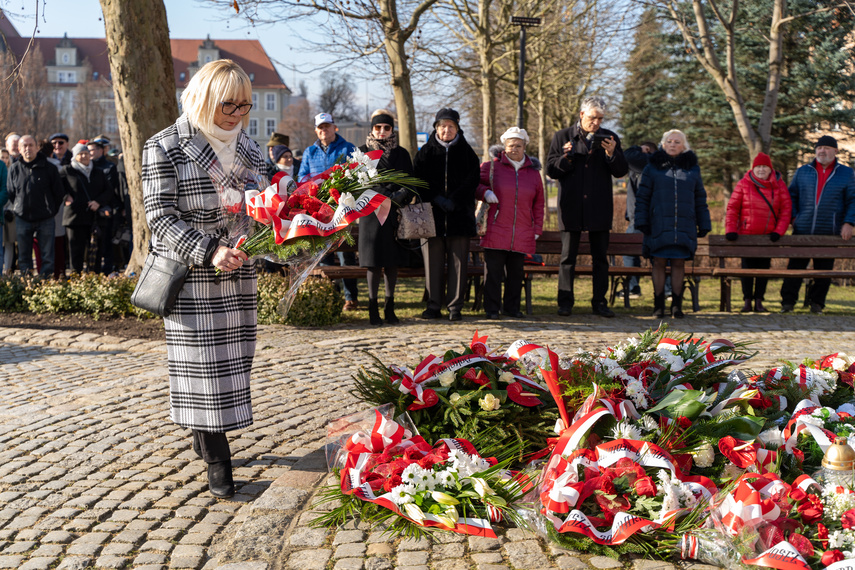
[(42, 230)]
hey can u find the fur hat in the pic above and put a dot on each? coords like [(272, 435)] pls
[(447, 114)]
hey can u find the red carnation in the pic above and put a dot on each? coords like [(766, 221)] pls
[(392, 482), (413, 454), (606, 484), (848, 519), (645, 487), (801, 543), (810, 511), (740, 452), (684, 422), (822, 534), (829, 557), (336, 195)]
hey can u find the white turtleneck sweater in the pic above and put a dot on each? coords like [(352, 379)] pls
[(224, 144)]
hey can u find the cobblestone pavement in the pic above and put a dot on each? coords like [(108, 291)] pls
[(93, 474)]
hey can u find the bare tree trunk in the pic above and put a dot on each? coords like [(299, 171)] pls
[(144, 92), (394, 41), (488, 102)]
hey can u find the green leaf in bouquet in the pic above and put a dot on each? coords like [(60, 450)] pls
[(746, 428), (681, 403)]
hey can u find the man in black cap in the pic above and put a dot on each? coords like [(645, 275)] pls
[(61, 152), (823, 195)]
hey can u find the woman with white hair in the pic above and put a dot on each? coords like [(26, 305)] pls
[(671, 211), (210, 335), (512, 185)]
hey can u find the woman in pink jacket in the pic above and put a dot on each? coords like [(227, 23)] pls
[(511, 184), (760, 205)]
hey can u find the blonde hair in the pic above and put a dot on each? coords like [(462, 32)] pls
[(217, 81), (675, 132)]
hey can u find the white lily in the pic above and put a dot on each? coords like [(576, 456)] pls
[(444, 498), (481, 487), (413, 511), (449, 518)]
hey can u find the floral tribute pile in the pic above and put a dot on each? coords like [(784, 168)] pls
[(665, 446)]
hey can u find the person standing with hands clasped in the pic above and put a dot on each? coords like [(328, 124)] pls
[(210, 335), (584, 158), (511, 184), (760, 205)]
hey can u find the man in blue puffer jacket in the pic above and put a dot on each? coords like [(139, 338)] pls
[(823, 195)]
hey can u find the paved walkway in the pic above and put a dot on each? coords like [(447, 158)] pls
[(93, 475)]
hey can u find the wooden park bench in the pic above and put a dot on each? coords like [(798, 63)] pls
[(787, 247)]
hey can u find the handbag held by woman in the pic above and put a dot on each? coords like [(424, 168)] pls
[(416, 221), (159, 284)]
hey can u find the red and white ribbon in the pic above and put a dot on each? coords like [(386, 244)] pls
[(782, 556)]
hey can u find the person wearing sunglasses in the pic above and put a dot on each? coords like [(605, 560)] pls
[(379, 250), (210, 335), (61, 152)]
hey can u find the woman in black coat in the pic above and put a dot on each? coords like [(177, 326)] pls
[(671, 211), (379, 250), (87, 191), (452, 170)]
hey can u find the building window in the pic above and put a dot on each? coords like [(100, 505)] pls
[(270, 102), (65, 58), (253, 127), (208, 59), (255, 100), (60, 77), (112, 125), (271, 126), (72, 77)]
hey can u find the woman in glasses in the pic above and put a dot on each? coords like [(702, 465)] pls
[(379, 250), (210, 335)]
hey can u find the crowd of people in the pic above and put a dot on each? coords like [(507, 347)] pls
[(65, 207)]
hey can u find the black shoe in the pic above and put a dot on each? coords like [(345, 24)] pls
[(220, 481), (787, 308), (758, 306), (635, 292), (603, 310), (374, 312), (515, 314), (816, 308), (431, 314), (677, 306), (389, 312), (659, 306), (455, 316), (746, 306), (565, 311), (492, 316)]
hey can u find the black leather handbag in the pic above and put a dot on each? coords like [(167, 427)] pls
[(159, 284)]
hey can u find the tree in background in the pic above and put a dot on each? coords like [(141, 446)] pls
[(337, 97), (29, 107), (298, 124)]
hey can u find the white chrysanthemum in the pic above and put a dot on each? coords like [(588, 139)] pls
[(446, 378), (835, 504), (413, 474), (671, 359), (635, 391), (619, 353), (812, 420), (772, 438), (402, 494), (650, 424), (705, 455), (444, 478), (625, 430), (732, 471), (820, 382)]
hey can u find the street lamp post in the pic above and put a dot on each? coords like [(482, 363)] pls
[(523, 22)]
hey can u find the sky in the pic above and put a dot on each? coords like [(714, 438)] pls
[(193, 19)]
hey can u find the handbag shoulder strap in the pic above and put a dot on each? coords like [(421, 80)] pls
[(768, 203), (492, 169)]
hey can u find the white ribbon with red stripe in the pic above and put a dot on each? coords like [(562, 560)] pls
[(782, 556), (304, 225)]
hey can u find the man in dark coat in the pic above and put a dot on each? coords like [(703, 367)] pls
[(61, 152), (35, 192), (584, 158), (107, 214), (452, 170)]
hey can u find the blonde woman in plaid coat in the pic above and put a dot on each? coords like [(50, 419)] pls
[(210, 335)]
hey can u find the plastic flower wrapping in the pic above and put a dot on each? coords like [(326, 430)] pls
[(298, 225), (668, 447)]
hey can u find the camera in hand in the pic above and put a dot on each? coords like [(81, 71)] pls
[(105, 212)]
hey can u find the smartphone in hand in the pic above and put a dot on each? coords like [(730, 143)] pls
[(598, 140)]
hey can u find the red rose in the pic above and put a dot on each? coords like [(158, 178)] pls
[(810, 513), (392, 482), (398, 466), (413, 454), (848, 519), (684, 422), (829, 557), (797, 495), (375, 481), (645, 487), (822, 534), (430, 460), (802, 544)]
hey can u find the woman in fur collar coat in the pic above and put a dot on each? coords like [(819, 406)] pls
[(671, 211)]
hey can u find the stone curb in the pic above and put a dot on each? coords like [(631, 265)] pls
[(80, 340)]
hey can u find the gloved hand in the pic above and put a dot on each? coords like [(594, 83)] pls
[(643, 229), (774, 236), (399, 198), (702, 233), (490, 197), (731, 236), (446, 204)]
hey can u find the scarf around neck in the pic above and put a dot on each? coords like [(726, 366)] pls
[(388, 143), (84, 170), (224, 144)]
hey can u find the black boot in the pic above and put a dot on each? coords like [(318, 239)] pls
[(676, 306), (374, 312), (197, 446), (389, 311), (659, 306), (220, 481)]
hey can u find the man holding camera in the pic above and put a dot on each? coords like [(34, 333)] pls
[(584, 158)]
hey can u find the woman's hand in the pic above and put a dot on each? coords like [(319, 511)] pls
[(228, 258), (490, 197), (93, 205)]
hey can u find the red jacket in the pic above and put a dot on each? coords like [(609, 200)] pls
[(749, 214), (520, 207)]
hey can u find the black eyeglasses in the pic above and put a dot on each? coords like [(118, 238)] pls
[(382, 127), (231, 108)]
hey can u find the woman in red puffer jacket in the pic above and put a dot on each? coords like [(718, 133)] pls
[(511, 184), (760, 205)]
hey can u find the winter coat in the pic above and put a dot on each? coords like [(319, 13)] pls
[(81, 191), (272, 170), (111, 174), (636, 160), (35, 189), (451, 173), (316, 159), (671, 204), (836, 202), (378, 243), (4, 194), (518, 217), (585, 180), (211, 332), (749, 214)]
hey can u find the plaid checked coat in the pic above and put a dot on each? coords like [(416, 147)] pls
[(210, 336)]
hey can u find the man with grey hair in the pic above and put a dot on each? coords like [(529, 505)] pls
[(584, 158)]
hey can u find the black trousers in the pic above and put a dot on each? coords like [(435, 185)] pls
[(499, 265), (78, 240), (819, 291), (599, 241), (214, 447), (754, 287)]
